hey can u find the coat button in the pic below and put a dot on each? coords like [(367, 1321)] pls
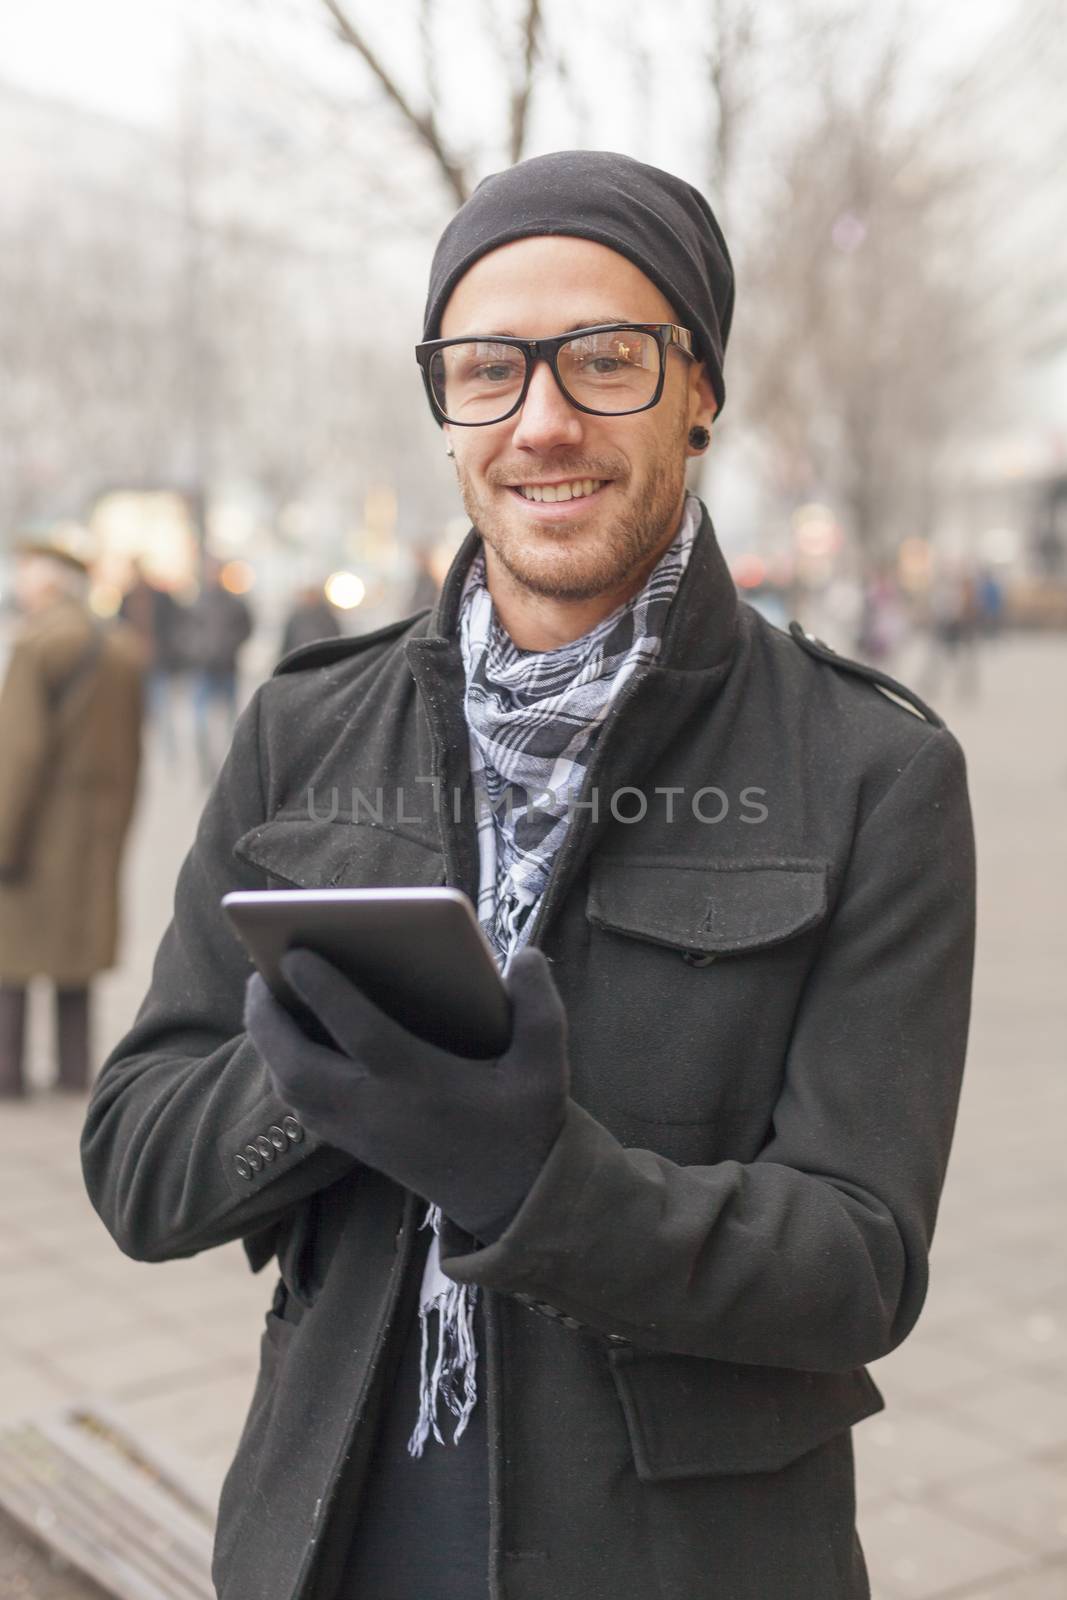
[(253, 1157), (264, 1146), (243, 1169), (277, 1137), (698, 958), (293, 1130)]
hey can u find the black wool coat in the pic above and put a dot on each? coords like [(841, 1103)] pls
[(762, 933)]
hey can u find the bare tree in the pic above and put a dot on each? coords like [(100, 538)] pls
[(863, 347)]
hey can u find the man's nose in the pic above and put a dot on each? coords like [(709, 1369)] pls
[(547, 418)]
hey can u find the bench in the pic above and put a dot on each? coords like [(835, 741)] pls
[(83, 1486)]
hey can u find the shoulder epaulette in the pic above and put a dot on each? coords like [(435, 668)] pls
[(321, 652), (822, 652)]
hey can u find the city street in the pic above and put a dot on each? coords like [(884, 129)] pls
[(963, 1478)]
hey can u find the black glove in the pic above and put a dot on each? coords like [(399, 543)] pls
[(469, 1136)]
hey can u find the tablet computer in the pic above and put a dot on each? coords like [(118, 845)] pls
[(419, 954)]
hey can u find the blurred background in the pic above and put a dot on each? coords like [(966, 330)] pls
[(216, 222), (217, 218)]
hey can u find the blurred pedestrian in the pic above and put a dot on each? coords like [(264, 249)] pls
[(952, 619), (990, 599), (219, 623), (156, 616), (881, 624), (70, 720), (312, 617), (425, 587)]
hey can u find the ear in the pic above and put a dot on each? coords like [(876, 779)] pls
[(702, 402)]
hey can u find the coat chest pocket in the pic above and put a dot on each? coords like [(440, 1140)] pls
[(309, 853), (688, 1040), (690, 1418), (707, 909)]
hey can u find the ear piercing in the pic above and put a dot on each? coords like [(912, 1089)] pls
[(699, 438), (450, 452)]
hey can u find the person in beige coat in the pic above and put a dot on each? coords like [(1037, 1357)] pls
[(70, 720)]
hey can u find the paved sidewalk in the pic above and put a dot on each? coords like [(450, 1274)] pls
[(963, 1480)]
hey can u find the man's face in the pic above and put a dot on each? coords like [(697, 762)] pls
[(599, 543)]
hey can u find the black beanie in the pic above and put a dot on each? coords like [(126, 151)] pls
[(661, 224)]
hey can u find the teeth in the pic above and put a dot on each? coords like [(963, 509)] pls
[(551, 492)]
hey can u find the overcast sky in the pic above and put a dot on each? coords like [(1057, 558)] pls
[(121, 56)]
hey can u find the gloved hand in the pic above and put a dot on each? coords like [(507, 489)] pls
[(469, 1136)]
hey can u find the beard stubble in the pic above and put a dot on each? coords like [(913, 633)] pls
[(630, 546)]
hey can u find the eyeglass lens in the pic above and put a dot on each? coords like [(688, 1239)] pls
[(478, 380)]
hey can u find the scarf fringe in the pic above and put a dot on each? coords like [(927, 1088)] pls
[(453, 1378)]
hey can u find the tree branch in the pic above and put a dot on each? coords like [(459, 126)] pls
[(429, 60), (520, 99), (424, 125)]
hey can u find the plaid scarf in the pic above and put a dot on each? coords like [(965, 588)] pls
[(534, 719)]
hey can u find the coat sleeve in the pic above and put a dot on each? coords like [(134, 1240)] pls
[(813, 1256), (183, 1094), (25, 720)]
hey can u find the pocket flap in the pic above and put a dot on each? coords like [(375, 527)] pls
[(714, 907), (313, 853), (688, 1417)]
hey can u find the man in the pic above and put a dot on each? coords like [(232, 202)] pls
[(219, 624), (157, 618), (589, 1321), (311, 617), (70, 713)]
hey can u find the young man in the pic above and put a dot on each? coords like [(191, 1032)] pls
[(731, 884)]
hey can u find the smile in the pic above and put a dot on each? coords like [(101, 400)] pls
[(552, 492)]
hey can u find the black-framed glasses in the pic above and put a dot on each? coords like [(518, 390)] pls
[(611, 370)]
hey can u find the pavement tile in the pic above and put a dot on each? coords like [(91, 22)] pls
[(125, 1366), (960, 1301), (1049, 1583), (1027, 1501), (923, 1367), (39, 1192), (907, 1452), (41, 1324), (107, 1269), (17, 1254), (25, 1389), (924, 1554), (1031, 1336), (1016, 1409), (39, 1284)]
